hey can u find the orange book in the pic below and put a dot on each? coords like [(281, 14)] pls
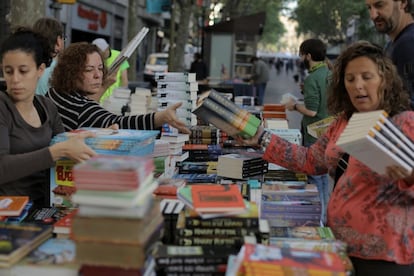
[(12, 205), (217, 198)]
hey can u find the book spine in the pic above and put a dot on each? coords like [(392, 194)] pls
[(230, 222), (200, 232), (210, 117), (189, 260), (253, 120), (274, 222), (398, 149), (210, 268), (393, 142), (299, 208), (235, 120), (281, 197), (205, 132), (394, 129), (290, 216), (189, 241)]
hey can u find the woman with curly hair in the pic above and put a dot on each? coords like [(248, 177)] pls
[(372, 213), (78, 81)]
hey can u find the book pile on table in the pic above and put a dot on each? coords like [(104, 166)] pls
[(140, 102), (174, 87), (117, 219), (259, 259), (108, 142), (241, 165), (209, 135), (118, 101), (290, 203)]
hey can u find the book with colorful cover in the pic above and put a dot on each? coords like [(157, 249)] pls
[(217, 198), (53, 257), (63, 224), (17, 240), (225, 115), (102, 171), (12, 205)]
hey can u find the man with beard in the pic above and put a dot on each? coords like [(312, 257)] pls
[(394, 18), (313, 54)]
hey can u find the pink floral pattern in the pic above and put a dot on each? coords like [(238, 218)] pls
[(372, 214)]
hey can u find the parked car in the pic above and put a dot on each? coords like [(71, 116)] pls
[(156, 63)]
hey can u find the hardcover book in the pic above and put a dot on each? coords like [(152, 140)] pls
[(17, 240), (128, 50), (225, 115), (217, 198), (373, 139), (53, 257), (12, 205)]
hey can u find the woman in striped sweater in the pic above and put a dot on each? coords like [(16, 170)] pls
[(76, 86)]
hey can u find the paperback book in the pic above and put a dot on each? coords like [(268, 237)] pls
[(373, 139)]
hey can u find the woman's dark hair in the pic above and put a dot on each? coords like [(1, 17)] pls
[(393, 97), (69, 68), (28, 41)]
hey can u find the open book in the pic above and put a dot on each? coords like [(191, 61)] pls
[(128, 50), (372, 138)]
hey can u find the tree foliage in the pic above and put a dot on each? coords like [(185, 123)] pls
[(328, 19), (273, 28)]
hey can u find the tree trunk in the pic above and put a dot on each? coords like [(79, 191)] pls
[(19, 15), (133, 28), (185, 9)]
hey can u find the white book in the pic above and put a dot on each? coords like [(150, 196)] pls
[(128, 50), (175, 76), (185, 86), (374, 140), (170, 94)]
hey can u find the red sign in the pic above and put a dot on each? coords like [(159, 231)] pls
[(97, 19)]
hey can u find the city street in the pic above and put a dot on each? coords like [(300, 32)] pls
[(279, 85)]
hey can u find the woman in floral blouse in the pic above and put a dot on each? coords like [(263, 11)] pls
[(372, 213)]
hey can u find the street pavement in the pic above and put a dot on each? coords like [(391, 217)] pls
[(280, 84)]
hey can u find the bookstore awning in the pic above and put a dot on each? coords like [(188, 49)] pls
[(249, 24)]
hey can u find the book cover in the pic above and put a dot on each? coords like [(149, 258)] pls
[(290, 207), (128, 50), (17, 240), (63, 224), (12, 205), (212, 241), (166, 255), (53, 257), (217, 198)]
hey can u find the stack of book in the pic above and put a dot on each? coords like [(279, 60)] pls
[(117, 219), (106, 141), (291, 135), (373, 139), (140, 102), (176, 141), (203, 152), (191, 260), (209, 135), (274, 116), (241, 165), (215, 109), (118, 101), (215, 215), (203, 167), (290, 203), (174, 87), (12, 206), (259, 259)]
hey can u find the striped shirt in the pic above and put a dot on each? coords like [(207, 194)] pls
[(78, 111)]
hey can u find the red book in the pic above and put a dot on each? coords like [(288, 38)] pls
[(217, 198), (64, 224), (12, 205)]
